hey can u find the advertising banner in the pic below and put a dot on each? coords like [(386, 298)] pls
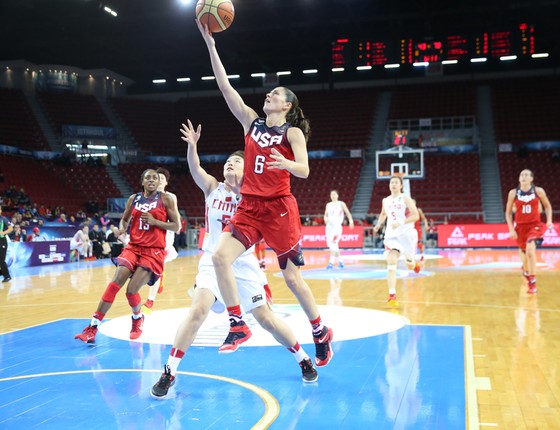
[(25, 254), (314, 237), (486, 235)]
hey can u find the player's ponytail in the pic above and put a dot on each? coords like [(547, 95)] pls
[(295, 115)]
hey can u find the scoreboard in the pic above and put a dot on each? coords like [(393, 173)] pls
[(518, 41)]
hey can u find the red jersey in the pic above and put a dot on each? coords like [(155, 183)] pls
[(258, 180), (526, 206), (146, 235)]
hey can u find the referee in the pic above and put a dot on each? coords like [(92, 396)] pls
[(6, 228)]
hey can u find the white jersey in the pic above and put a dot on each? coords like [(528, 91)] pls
[(170, 251), (395, 209), (250, 279), (335, 213), (220, 206)]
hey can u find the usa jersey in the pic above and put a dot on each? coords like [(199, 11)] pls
[(146, 235), (220, 207), (258, 180), (526, 206), (396, 210), (335, 213)]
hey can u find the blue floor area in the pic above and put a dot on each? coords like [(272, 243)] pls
[(412, 378)]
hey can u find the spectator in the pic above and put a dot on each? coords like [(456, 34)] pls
[(104, 219), (62, 218), (18, 235), (36, 236), (6, 228), (432, 235), (181, 237), (97, 239)]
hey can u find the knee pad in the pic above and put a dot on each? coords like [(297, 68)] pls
[(133, 299), (110, 292)]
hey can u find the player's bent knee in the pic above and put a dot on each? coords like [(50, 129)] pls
[(134, 299), (110, 292)]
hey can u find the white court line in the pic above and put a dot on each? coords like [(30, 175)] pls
[(472, 399)]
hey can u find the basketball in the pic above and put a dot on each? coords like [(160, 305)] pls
[(216, 14)]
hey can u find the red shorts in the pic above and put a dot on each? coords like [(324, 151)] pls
[(276, 221), (151, 259), (528, 232)]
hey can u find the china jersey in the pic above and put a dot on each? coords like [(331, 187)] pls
[(146, 235), (220, 207), (526, 206), (258, 180), (170, 234), (396, 210), (335, 213)]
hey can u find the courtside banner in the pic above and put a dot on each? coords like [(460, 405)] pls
[(314, 237), (486, 235)]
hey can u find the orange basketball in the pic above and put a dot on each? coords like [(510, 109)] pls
[(216, 14)]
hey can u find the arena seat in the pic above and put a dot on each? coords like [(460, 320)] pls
[(18, 126)]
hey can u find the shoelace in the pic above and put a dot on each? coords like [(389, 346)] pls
[(166, 378), (322, 350), (231, 337)]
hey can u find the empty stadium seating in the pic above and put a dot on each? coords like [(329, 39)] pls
[(325, 175), (42, 185), (433, 100), (18, 126), (72, 109), (542, 164), (526, 109), (451, 185)]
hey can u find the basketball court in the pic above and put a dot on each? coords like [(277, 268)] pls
[(466, 348)]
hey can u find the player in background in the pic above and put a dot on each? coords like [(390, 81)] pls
[(221, 202), (275, 149), (260, 252), (528, 229), (334, 217), (418, 227), (400, 235), (170, 251), (147, 213)]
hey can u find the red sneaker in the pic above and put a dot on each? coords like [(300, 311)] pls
[(238, 334), (417, 268), (532, 289), (393, 300), (137, 326), (147, 307), (323, 350), (88, 335)]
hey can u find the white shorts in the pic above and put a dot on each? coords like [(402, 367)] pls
[(333, 234), (170, 254), (249, 277), (405, 243), (79, 246)]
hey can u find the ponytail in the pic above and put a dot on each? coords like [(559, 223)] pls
[(295, 115)]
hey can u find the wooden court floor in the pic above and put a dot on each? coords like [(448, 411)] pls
[(515, 345)]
